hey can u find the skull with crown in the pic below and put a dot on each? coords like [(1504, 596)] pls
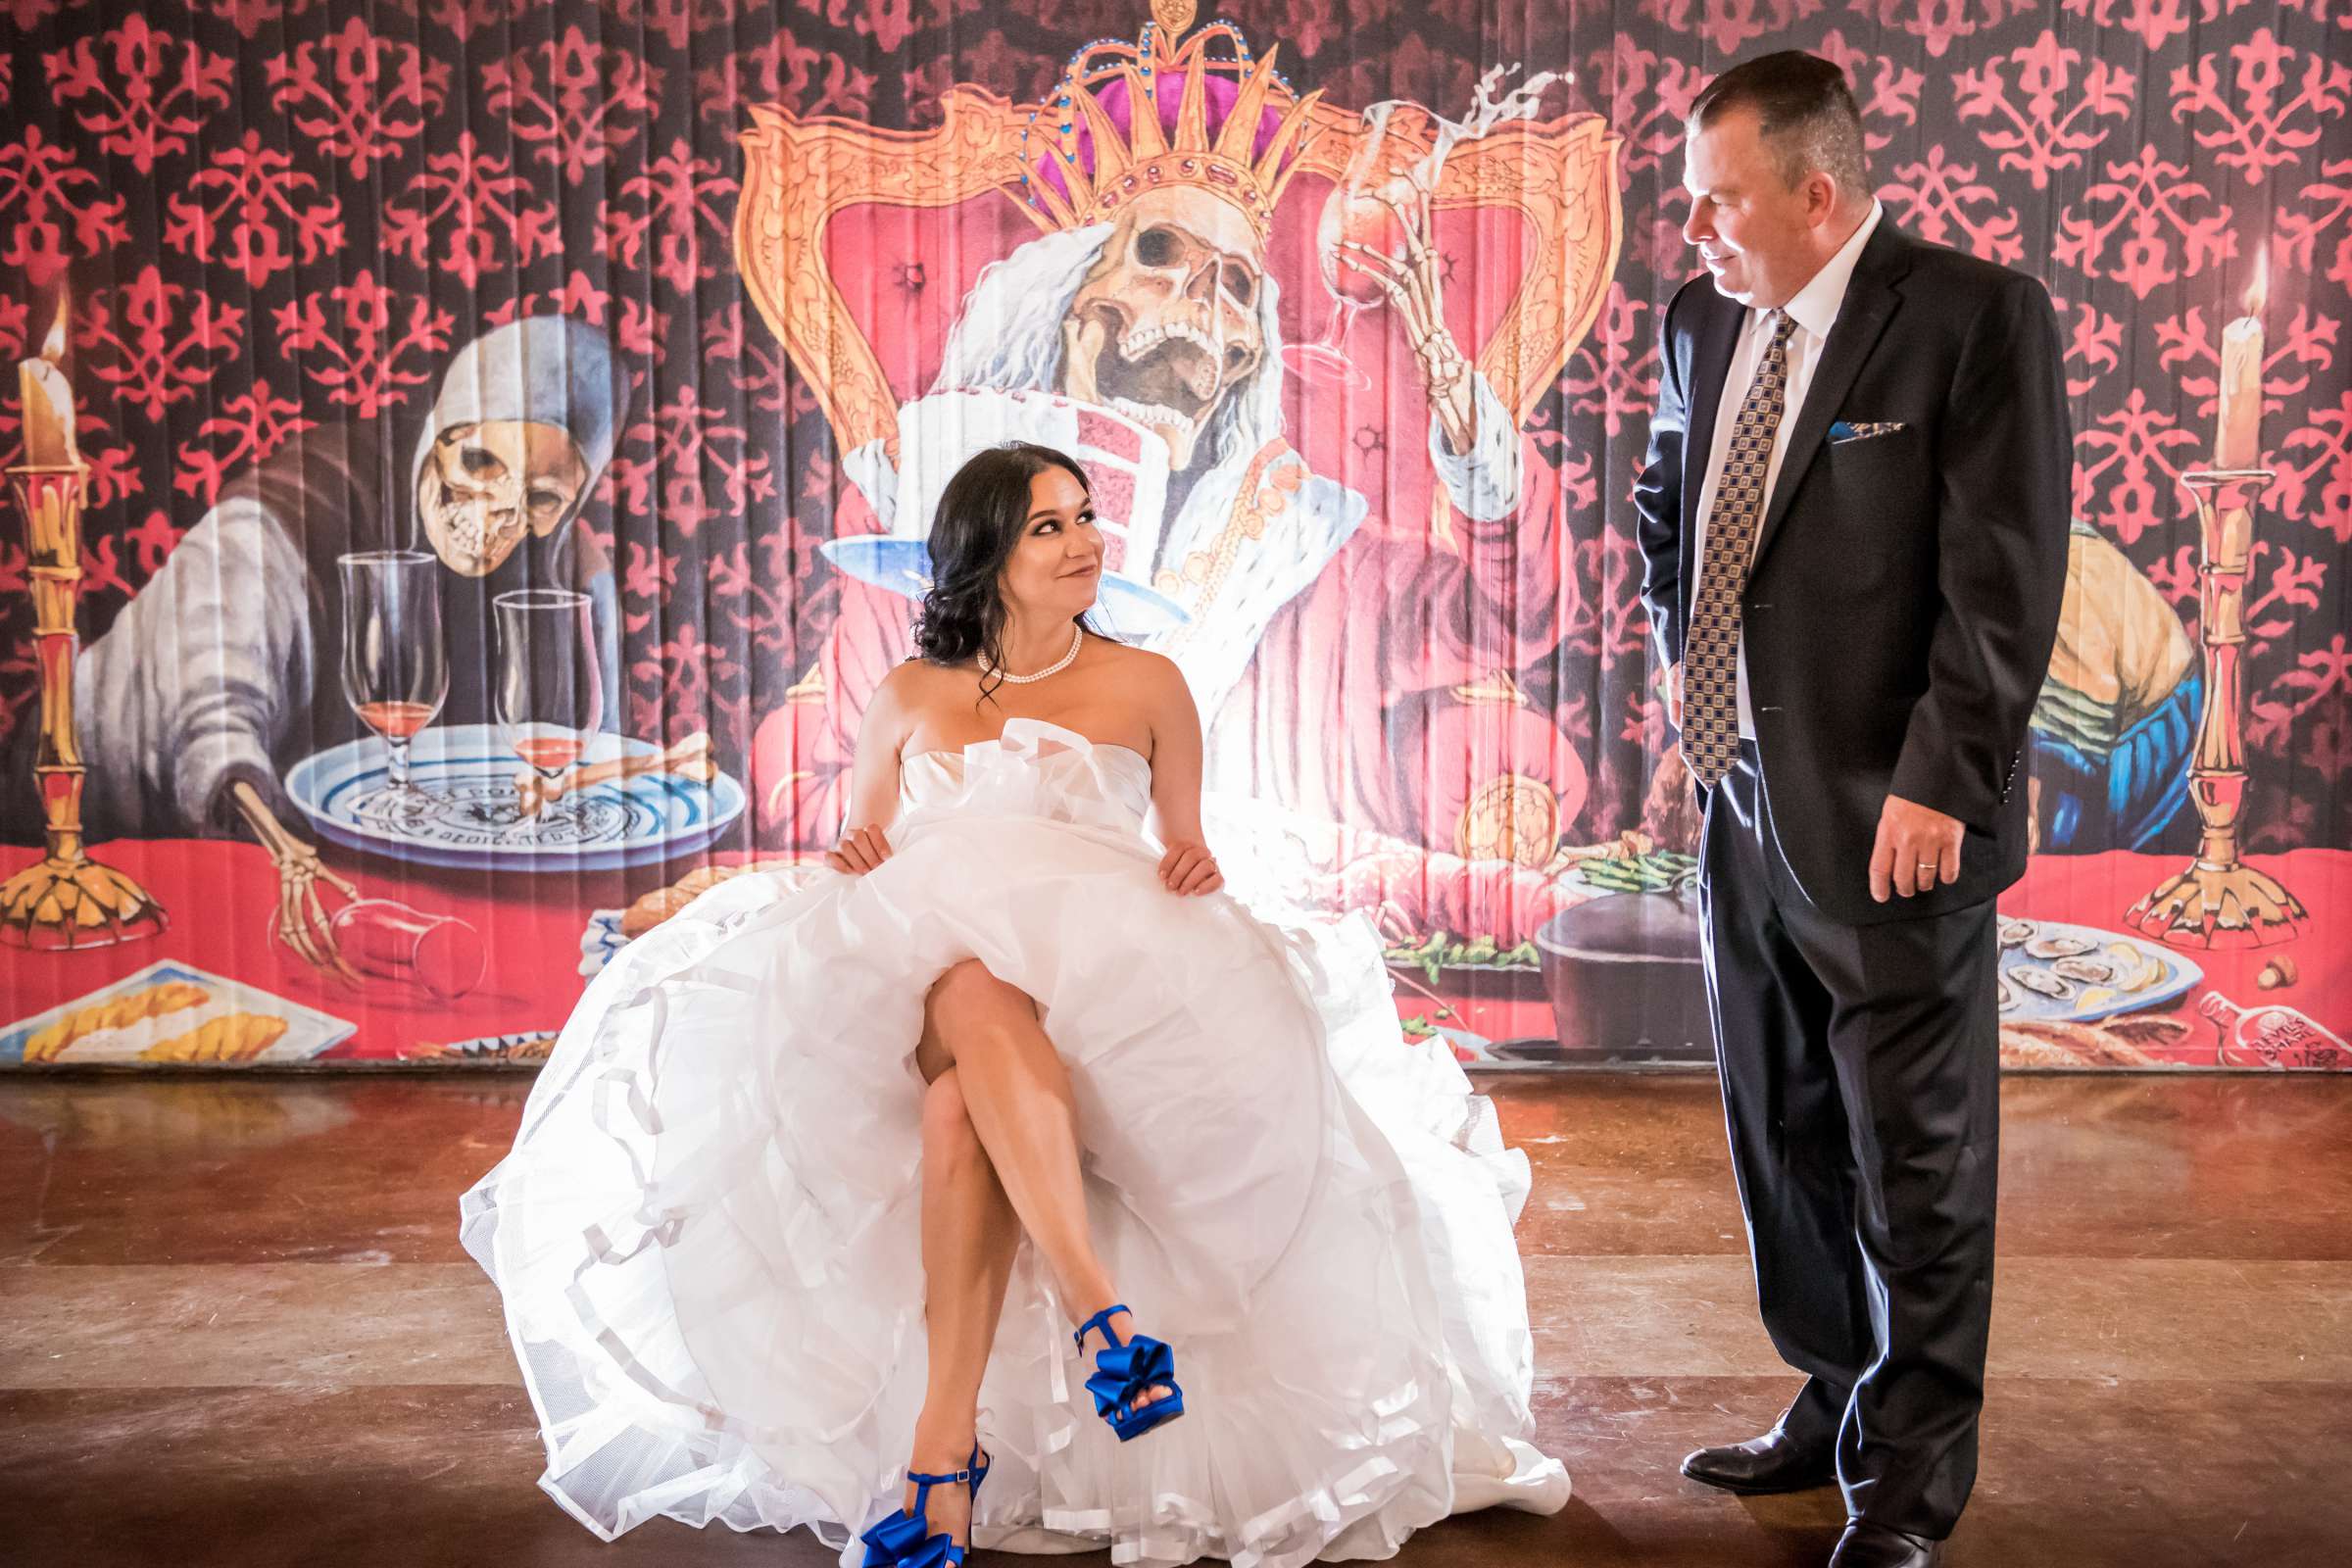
[(1184, 149), (1179, 146)]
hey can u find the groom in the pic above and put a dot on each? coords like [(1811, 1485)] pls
[(1854, 520)]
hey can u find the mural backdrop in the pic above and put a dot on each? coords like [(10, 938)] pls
[(471, 459)]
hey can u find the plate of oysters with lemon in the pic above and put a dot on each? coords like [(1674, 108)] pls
[(2055, 973)]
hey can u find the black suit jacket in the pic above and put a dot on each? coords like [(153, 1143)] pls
[(1904, 596)]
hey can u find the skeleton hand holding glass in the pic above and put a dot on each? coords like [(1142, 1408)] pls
[(1358, 214), (1376, 239)]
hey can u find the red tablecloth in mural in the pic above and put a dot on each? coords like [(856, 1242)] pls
[(2096, 890), (222, 898), (221, 901), (2092, 890)]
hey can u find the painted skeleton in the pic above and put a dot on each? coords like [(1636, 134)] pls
[(219, 672), (1163, 308)]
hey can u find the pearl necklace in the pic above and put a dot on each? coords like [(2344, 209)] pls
[(1077, 641)]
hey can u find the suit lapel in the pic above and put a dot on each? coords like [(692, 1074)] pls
[(1710, 367), (1869, 305)]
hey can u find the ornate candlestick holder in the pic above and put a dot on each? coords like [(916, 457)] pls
[(2219, 900), (67, 899)]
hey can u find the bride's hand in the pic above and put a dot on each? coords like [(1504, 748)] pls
[(1189, 870), (861, 849)]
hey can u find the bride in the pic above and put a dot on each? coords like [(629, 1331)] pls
[(1011, 1182)]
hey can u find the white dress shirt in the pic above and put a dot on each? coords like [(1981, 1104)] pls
[(1814, 309)]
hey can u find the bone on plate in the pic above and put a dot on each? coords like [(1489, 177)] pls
[(688, 759)]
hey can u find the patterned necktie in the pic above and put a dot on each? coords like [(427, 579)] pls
[(1711, 648)]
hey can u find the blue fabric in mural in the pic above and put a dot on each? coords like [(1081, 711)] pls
[(2129, 798)]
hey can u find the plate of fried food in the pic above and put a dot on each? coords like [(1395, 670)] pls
[(172, 1014), (2056, 973)]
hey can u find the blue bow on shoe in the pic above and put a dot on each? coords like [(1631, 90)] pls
[(1124, 1373), (905, 1540)]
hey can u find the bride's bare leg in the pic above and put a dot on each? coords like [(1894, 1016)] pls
[(970, 1237), (1018, 1095)]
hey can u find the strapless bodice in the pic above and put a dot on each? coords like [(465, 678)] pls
[(1034, 769)]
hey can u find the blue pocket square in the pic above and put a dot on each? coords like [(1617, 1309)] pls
[(1842, 431)]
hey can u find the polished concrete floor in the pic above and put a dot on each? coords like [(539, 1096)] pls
[(236, 1327)]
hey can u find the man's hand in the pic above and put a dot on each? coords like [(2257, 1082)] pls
[(861, 849), (1674, 696), (1918, 848), (1189, 869)]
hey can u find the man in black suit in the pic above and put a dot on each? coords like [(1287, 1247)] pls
[(1853, 521)]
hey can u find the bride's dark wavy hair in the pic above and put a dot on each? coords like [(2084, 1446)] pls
[(981, 517)]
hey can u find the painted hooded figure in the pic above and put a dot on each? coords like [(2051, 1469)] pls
[(224, 671)]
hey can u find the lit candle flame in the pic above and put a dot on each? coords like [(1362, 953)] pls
[(53, 349), (2258, 292)]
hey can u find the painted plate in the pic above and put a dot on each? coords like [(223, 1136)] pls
[(466, 816), (2055, 973)]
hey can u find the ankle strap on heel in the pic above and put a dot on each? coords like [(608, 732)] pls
[(905, 1536), (1101, 1320), (927, 1482), (974, 1471)]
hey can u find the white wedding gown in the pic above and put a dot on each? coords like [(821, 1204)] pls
[(706, 1234)]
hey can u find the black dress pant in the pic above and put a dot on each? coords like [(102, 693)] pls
[(1860, 1085)]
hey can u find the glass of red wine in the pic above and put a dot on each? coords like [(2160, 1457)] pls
[(551, 690), (395, 668), (1362, 208)]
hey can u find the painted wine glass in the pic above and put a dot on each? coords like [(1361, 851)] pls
[(550, 697), (1381, 179), (395, 667), (392, 941)]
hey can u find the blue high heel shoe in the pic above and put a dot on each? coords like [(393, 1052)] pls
[(1124, 1372), (905, 1538)]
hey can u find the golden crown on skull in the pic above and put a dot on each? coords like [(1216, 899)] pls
[(1162, 112)]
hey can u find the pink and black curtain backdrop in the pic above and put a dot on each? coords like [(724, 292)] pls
[(501, 435)]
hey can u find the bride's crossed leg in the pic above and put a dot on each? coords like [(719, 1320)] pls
[(999, 1156)]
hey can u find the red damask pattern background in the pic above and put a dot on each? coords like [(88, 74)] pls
[(282, 211)]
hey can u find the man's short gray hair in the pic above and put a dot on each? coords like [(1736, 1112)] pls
[(1805, 112)]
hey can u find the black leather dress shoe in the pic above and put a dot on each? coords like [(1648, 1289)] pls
[(1773, 1462), (1866, 1545)]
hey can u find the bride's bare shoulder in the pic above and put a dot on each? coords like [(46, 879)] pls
[(914, 678), (1132, 660), (912, 689), (1153, 684)]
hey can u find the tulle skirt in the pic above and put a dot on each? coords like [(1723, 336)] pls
[(707, 1238)]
